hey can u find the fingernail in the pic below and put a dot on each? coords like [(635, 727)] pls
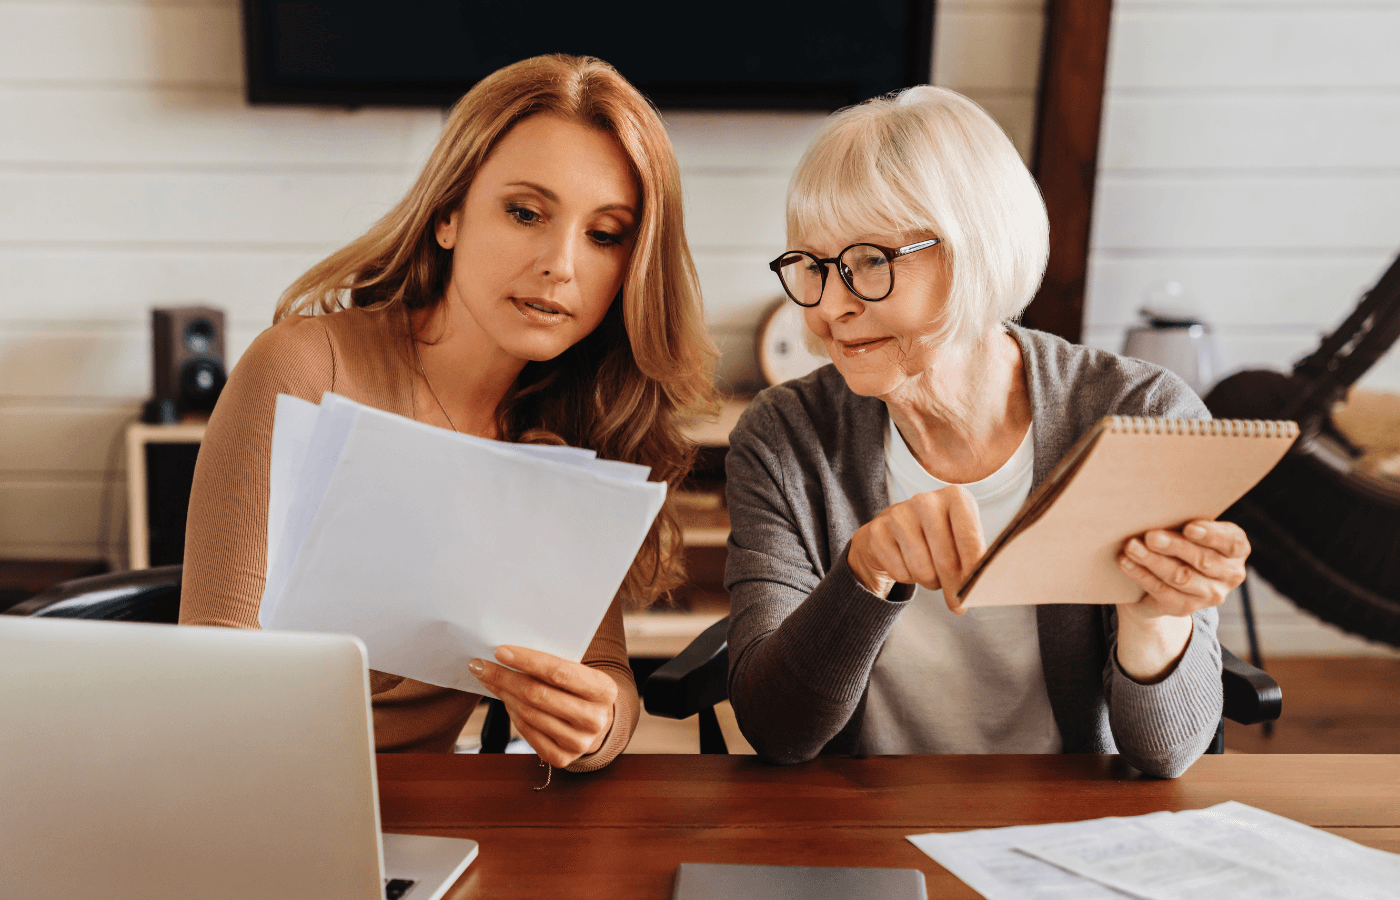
[(1195, 532), (1136, 549), (505, 655), (1126, 564), (1157, 540), (476, 667)]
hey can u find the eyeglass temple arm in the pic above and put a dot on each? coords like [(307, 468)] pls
[(902, 251)]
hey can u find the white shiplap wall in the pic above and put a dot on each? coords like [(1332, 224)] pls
[(1250, 151), (133, 174)]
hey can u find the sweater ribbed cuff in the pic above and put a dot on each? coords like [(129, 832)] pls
[(835, 636), (1175, 717)]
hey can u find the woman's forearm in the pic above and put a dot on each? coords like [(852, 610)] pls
[(1162, 725), (797, 675), (1150, 648)]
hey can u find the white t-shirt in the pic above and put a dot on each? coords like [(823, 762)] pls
[(960, 684)]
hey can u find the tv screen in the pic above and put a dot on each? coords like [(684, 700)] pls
[(720, 54)]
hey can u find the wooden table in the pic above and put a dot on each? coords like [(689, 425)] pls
[(621, 832)]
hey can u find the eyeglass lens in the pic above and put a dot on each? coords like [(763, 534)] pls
[(863, 267)]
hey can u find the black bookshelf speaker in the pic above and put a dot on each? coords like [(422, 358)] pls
[(188, 360)]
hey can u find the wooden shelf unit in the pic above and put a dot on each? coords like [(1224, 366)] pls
[(139, 436)]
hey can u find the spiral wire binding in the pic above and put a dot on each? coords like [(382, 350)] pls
[(1216, 427)]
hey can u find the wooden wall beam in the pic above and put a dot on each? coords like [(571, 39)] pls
[(1066, 153)]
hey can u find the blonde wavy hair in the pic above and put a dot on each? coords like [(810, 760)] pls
[(624, 390), (930, 162)]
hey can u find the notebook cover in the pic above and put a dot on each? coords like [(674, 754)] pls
[(718, 881), (1134, 474)]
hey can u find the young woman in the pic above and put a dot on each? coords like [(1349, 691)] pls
[(534, 285)]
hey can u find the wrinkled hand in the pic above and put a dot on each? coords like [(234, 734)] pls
[(563, 709), (1179, 574), (1182, 573), (932, 539)]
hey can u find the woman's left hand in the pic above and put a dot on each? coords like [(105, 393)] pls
[(563, 709), (1179, 574)]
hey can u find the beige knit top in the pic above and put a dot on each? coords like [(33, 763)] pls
[(367, 357)]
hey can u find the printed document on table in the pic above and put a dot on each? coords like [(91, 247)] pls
[(1229, 850), (987, 861), (434, 547)]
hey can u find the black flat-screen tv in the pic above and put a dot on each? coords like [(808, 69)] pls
[(718, 54)]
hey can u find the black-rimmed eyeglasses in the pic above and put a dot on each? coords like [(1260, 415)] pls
[(867, 269)]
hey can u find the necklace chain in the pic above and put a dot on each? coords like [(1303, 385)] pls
[(431, 389)]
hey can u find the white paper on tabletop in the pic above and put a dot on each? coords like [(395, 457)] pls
[(1229, 850), (434, 548), (988, 862)]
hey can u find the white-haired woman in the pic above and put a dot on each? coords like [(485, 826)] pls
[(860, 491)]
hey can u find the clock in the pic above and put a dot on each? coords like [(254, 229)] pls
[(782, 349)]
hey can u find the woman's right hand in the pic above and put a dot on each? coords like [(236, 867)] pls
[(932, 540)]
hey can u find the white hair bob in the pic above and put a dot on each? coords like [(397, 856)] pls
[(929, 162)]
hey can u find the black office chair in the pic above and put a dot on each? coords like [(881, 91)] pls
[(153, 595), (697, 679), (145, 595)]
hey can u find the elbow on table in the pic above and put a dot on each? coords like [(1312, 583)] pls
[(1167, 762), (771, 742), (782, 754)]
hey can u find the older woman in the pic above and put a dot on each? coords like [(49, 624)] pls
[(861, 491)]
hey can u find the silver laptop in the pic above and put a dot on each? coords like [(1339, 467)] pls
[(152, 762)]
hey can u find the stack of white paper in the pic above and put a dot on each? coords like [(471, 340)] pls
[(1229, 850), (434, 547)]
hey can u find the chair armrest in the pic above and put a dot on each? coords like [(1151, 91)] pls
[(143, 595), (1251, 695), (696, 679)]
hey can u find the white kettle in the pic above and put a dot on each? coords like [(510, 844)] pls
[(1180, 343)]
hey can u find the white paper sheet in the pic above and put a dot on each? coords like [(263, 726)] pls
[(1227, 851), (1287, 846), (291, 435), (987, 861), (319, 442), (434, 548), (1230, 850)]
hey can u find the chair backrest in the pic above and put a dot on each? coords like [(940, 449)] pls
[(692, 683), (143, 595)]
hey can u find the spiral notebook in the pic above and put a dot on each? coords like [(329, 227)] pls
[(1128, 475)]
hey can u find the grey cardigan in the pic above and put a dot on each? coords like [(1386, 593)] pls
[(806, 468)]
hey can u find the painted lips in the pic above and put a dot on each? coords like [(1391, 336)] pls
[(540, 312)]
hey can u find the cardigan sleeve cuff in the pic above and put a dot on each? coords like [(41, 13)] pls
[(1168, 715)]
